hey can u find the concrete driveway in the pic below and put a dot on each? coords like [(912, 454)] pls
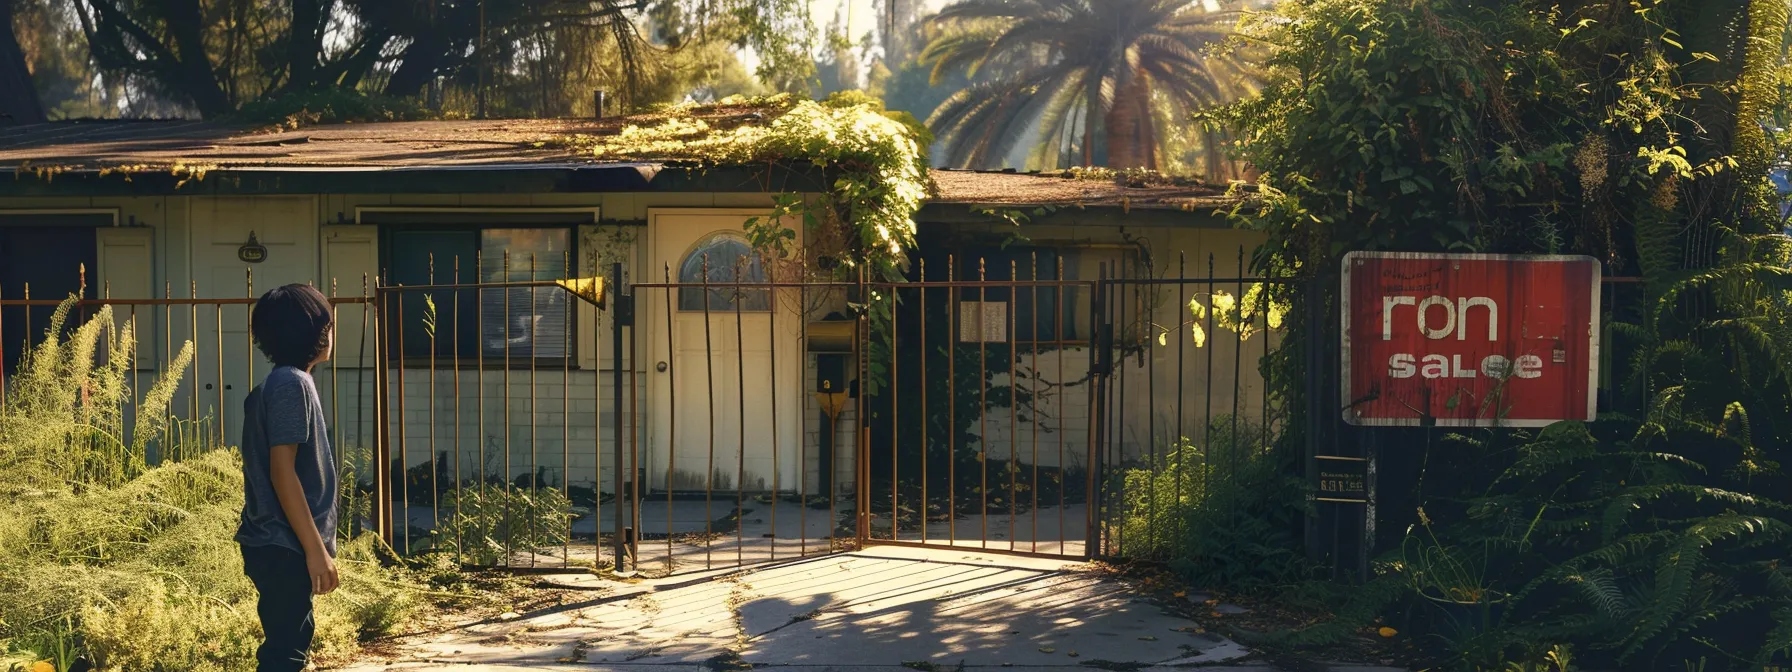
[(886, 608)]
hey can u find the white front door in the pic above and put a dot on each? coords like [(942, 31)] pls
[(287, 227), (726, 402)]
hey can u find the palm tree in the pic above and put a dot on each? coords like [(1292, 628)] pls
[(1089, 77)]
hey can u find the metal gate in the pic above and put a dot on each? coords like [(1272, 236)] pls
[(981, 431), (739, 418)]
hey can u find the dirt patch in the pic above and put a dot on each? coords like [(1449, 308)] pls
[(1253, 620)]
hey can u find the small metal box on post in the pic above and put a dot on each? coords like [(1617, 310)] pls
[(830, 340)]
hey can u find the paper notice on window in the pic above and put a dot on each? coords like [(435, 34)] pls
[(983, 322)]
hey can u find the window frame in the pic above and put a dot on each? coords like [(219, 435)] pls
[(684, 286), (469, 361)]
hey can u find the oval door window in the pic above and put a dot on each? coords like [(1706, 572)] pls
[(727, 258)]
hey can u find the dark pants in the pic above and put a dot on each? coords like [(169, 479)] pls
[(280, 576)]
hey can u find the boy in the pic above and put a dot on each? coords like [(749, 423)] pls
[(288, 528)]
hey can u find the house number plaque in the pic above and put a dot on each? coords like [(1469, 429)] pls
[(1343, 479)]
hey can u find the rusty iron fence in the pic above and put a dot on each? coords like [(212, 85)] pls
[(485, 411), (1188, 418)]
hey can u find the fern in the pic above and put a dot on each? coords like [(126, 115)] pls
[(1675, 574), (1602, 591), (1779, 639)]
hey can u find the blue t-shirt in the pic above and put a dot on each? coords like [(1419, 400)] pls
[(285, 409)]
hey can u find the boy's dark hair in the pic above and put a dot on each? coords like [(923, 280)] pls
[(291, 325)]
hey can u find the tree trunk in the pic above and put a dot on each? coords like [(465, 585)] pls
[(1130, 134), (353, 68), (18, 97), (416, 66), (1091, 111), (193, 70), (304, 44)]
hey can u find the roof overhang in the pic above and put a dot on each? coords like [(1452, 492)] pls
[(959, 214), (538, 178)]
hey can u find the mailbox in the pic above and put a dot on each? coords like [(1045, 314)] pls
[(833, 333), (831, 339)]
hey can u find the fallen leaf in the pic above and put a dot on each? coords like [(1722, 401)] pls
[(1047, 649), (1073, 654), (1148, 638), (1180, 593), (1386, 631), (43, 666)]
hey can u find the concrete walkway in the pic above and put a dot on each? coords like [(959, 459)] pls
[(881, 609)]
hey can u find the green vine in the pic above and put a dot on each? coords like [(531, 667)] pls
[(609, 243), (876, 162)]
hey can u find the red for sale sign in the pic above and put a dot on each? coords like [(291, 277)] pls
[(1469, 340)]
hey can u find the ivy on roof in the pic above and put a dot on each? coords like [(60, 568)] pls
[(879, 159)]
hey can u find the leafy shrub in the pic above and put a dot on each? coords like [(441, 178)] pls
[(1220, 516), (485, 525), (130, 566)]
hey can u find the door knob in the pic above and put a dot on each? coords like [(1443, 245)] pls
[(660, 367)]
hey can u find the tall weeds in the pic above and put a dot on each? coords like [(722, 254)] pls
[(118, 564)]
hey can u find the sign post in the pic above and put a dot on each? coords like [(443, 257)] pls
[(1469, 340)]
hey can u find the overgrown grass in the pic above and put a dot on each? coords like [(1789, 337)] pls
[(123, 565), (1218, 514)]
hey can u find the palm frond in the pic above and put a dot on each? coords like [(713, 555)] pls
[(966, 51), (976, 122), (991, 9), (1110, 41)]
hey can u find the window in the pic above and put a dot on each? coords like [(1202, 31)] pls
[(518, 323), (1035, 309), (48, 258), (728, 258)]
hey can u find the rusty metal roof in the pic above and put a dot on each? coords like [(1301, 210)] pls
[(157, 144), (142, 146)]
